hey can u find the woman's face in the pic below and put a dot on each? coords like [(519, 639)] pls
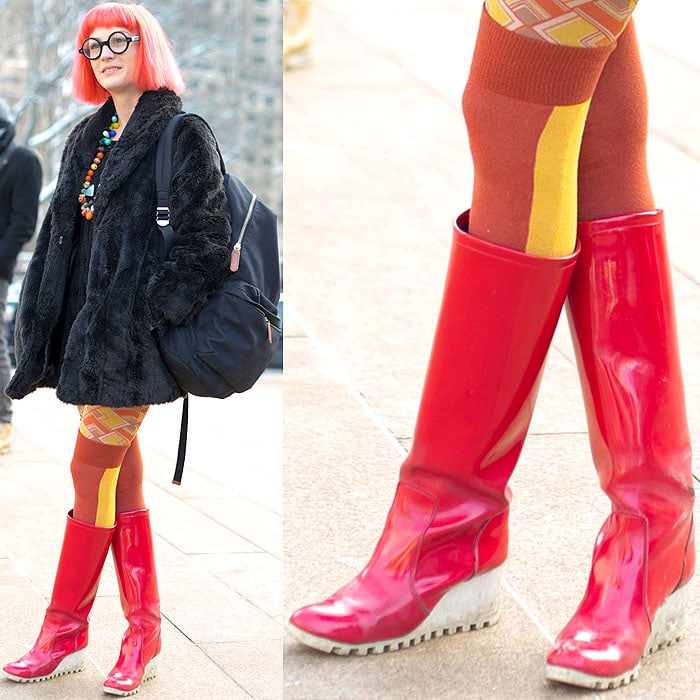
[(115, 71)]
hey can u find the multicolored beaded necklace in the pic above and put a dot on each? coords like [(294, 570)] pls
[(86, 199)]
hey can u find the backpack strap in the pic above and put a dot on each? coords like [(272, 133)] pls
[(182, 441), (164, 176)]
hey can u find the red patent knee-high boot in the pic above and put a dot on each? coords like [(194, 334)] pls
[(622, 319), (435, 569), (134, 561), (64, 634)]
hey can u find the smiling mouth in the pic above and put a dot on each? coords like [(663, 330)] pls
[(111, 69)]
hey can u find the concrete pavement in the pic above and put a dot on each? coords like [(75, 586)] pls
[(218, 543), (376, 167)]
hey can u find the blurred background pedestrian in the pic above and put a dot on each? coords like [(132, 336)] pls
[(20, 186)]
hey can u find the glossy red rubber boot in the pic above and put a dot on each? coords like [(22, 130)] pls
[(622, 319), (64, 634), (134, 561), (435, 569)]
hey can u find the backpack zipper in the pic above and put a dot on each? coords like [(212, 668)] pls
[(236, 252)]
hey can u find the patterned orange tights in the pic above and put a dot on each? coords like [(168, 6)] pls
[(106, 468), (582, 23)]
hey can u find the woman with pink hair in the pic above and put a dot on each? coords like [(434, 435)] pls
[(96, 297)]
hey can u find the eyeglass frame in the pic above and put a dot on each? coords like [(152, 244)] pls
[(102, 44)]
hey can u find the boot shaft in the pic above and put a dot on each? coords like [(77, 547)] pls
[(437, 564), (499, 311), (621, 314), (64, 632), (622, 320), (80, 564), (134, 561)]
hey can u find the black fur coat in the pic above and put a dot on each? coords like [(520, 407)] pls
[(111, 354)]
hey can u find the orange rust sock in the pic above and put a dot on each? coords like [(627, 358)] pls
[(95, 470), (130, 484), (525, 105), (612, 176)]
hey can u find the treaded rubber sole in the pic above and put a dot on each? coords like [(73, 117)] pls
[(73, 663), (468, 606), (667, 629), (149, 672)]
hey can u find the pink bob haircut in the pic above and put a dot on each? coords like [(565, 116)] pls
[(155, 65)]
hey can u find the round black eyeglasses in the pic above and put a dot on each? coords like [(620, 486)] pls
[(118, 42)]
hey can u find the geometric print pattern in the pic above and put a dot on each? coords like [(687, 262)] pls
[(582, 23), (111, 426)]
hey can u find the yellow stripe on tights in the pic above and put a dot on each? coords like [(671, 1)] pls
[(107, 498), (552, 228)]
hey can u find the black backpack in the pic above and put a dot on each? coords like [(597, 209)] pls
[(228, 344)]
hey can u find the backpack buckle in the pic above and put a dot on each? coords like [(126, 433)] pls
[(163, 216)]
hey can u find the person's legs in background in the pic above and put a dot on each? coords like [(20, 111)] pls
[(5, 373), (296, 33)]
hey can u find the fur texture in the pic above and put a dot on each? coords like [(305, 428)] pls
[(112, 356)]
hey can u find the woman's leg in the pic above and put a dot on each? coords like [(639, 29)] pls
[(534, 70), (134, 562), (436, 565), (108, 475), (623, 326), (612, 175), (129, 495), (103, 440)]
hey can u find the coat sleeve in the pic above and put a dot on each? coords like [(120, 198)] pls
[(27, 307), (198, 260), (23, 211)]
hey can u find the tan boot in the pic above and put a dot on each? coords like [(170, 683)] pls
[(296, 33), (5, 438)]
